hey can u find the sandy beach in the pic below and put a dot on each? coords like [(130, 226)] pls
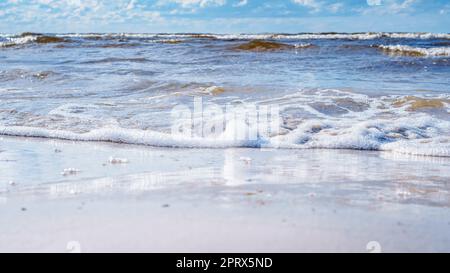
[(63, 196)]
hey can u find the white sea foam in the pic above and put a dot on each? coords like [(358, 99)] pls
[(303, 45), (403, 49), (417, 134), (352, 36), (336, 119), (12, 41)]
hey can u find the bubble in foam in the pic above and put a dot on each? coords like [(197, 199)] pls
[(117, 160), (70, 171)]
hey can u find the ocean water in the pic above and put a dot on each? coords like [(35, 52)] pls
[(365, 91)]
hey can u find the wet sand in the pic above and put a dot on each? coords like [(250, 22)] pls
[(55, 195)]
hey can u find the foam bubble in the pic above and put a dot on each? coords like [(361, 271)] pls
[(117, 160), (69, 171)]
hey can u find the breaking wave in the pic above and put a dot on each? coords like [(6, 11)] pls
[(415, 51), (14, 41), (351, 36), (28, 38), (309, 119), (415, 135)]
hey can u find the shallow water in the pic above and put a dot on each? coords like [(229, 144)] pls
[(373, 91), (367, 179), (216, 199)]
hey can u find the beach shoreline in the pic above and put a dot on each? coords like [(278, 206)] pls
[(106, 197)]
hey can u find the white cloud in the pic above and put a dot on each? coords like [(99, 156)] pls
[(317, 6), (192, 3), (131, 5), (307, 3), (398, 7), (241, 3), (312, 4), (389, 7), (444, 10), (144, 15), (336, 7), (80, 12), (182, 11), (373, 2)]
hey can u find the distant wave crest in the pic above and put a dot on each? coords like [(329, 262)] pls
[(27, 38), (300, 36), (415, 51), (14, 39)]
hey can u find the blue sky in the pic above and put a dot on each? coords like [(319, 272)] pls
[(224, 16)]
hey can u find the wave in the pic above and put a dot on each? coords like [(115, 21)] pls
[(14, 41), (261, 45), (170, 41), (415, 51), (414, 135), (350, 36), (27, 38), (125, 40), (117, 60), (21, 74), (300, 36), (304, 45)]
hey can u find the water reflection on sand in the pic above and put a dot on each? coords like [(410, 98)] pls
[(350, 177)]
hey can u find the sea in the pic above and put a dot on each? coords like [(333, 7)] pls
[(361, 91)]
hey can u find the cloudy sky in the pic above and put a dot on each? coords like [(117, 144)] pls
[(224, 16)]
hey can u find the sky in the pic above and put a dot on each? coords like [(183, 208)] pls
[(224, 16)]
